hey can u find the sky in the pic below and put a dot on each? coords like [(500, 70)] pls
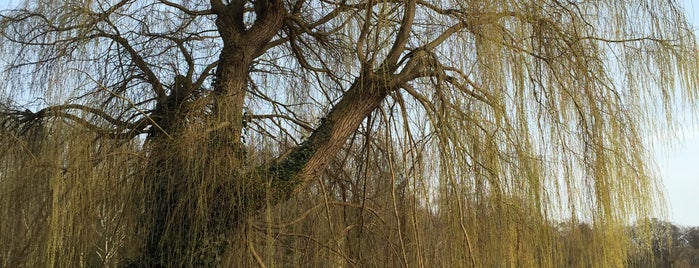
[(678, 165), (679, 169)]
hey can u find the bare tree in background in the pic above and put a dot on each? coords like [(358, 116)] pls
[(156, 131)]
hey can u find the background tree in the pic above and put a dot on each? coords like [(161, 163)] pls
[(662, 239), (690, 236), (162, 132)]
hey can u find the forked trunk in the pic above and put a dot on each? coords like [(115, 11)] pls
[(197, 189)]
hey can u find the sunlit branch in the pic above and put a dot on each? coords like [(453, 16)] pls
[(390, 63)]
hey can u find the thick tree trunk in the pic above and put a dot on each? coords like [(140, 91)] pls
[(197, 191), (193, 184), (185, 226), (192, 202)]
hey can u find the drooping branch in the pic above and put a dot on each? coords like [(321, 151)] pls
[(119, 130)]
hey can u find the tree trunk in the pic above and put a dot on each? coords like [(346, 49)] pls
[(193, 187), (197, 190), (194, 190)]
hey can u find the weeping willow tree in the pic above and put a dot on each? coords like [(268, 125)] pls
[(334, 133)]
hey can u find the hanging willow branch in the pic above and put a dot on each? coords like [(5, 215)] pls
[(346, 133)]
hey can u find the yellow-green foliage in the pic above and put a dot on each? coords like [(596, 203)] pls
[(514, 135)]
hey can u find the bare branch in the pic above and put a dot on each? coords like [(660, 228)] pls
[(139, 62), (390, 63), (189, 11)]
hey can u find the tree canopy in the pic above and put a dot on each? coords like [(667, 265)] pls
[(334, 133)]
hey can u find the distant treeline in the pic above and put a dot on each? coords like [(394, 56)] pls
[(671, 245)]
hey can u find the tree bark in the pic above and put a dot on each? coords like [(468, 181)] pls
[(179, 227)]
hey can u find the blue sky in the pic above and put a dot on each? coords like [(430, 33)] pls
[(679, 168), (678, 165)]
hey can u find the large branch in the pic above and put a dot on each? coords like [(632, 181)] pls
[(308, 159), (118, 129), (391, 62)]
